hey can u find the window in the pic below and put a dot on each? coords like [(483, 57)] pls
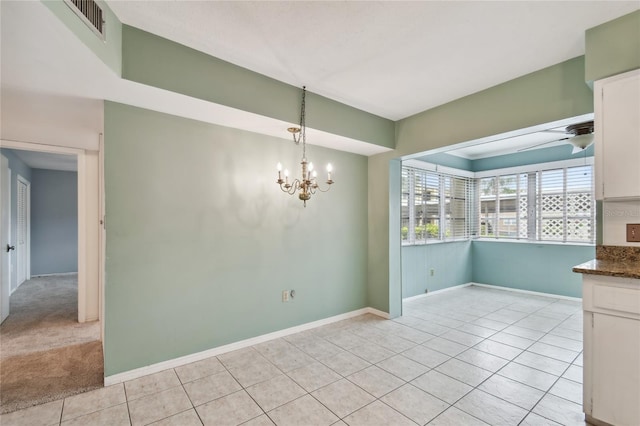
[(503, 206), (544, 204), (566, 205), (435, 206)]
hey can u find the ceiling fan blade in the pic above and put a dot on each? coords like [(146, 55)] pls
[(542, 144)]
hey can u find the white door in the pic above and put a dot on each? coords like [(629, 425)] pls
[(22, 234), (5, 244)]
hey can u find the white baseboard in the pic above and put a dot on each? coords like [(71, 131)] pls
[(533, 293), (377, 312), (187, 359), (431, 293)]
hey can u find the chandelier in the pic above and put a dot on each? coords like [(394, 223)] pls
[(307, 185)]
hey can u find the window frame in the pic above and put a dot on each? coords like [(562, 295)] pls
[(533, 214)]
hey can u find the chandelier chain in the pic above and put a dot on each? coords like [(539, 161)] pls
[(303, 124)]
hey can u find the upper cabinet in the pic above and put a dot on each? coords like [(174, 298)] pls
[(617, 136)]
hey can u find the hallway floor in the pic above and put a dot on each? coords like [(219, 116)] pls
[(45, 354), (44, 315), (469, 356)]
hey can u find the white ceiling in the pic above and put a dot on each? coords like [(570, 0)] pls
[(48, 161), (391, 58)]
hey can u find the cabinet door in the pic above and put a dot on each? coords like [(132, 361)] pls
[(616, 370), (621, 137)]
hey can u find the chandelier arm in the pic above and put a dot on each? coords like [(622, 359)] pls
[(324, 190), (293, 187)]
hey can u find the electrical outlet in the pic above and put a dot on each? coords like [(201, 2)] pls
[(432, 271), (285, 295), (633, 232)]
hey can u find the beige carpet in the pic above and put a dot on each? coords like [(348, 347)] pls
[(45, 354)]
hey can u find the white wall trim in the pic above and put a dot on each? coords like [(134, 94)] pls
[(435, 292), (187, 359), (533, 293)]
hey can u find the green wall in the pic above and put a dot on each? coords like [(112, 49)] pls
[(613, 47), (201, 241), (451, 264), (544, 268), (543, 96), (193, 73), (548, 95)]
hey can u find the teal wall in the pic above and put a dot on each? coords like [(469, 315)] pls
[(556, 153), (448, 160), (613, 47), (451, 264), (544, 268), (193, 73), (201, 241), (108, 50)]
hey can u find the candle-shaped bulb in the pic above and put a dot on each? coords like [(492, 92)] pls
[(314, 174), (279, 166), (329, 168), (286, 172), (310, 167)]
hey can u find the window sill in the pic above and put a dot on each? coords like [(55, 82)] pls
[(428, 243), (542, 243)]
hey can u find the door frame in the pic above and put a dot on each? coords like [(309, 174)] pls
[(5, 219), (21, 179), (83, 237)]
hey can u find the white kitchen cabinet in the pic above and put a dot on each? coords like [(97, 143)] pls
[(612, 349), (617, 136)]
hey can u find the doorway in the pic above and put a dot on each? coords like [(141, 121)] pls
[(88, 233), (58, 287)]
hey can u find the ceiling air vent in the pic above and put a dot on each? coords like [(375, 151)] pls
[(90, 13)]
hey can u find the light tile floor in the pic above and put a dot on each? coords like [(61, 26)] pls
[(470, 356)]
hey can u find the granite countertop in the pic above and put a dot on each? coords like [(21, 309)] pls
[(613, 261)]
